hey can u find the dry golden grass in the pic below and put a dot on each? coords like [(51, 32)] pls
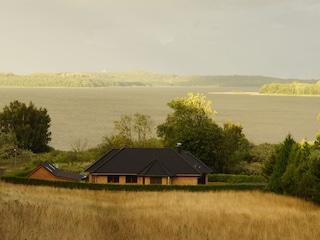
[(29, 212)]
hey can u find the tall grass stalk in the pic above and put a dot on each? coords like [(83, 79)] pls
[(29, 212)]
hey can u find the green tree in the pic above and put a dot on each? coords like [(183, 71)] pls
[(29, 124), (124, 127), (282, 157), (234, 149), (191, 124), (294, 169), (132, 130), (143, 125), (295, 180), (8, 142), (317, 143), (315, 172)]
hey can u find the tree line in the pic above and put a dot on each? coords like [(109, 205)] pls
[(294, 88), (225, 149), (132, 78), (289, 167), (294, 169)]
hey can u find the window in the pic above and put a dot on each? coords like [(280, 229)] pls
[(113, 179), (131, 179), (155, 180)]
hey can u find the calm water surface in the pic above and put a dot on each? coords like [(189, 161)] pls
[(88, 113)]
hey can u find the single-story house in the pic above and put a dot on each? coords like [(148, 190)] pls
[(148, 166), (47, 171)]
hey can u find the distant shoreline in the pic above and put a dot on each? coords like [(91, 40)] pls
[(263, 94), (235, 92)]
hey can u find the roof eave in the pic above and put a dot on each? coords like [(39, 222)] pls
[(114, 174), (188, 175)]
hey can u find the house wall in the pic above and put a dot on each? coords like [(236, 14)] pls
[(146, 180), (165, 180), (90, 178), (184, 180), (140, 180), (42, 173), (104, 179), (122, 180), (98, 179), (207, 178)]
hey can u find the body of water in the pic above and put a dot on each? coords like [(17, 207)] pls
[(88, 113)]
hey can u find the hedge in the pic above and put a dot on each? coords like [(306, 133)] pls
[(133, 187), (232, 178)]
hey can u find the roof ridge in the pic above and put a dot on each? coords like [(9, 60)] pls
[(107, 160), (58, 172), (116, 153), (162, 165), (198, 160), (156, 161), (165, 169), (187, 162)]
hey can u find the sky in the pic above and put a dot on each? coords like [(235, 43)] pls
[(276, 38)]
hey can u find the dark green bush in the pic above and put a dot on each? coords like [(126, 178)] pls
[(232, 178), (133, 187)]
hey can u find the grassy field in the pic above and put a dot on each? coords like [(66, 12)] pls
[(29, 212)]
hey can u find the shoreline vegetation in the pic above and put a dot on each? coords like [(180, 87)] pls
[(266, 94), (136, 78), (293, 89), (267, 85)]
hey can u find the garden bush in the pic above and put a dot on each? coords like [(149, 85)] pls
[(130, 187)]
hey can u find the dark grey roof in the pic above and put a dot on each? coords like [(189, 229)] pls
[(59, 173), (144, 162), (196, 163), (101, 161), (156, 168)]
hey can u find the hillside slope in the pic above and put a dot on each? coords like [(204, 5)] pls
[(132, 78)]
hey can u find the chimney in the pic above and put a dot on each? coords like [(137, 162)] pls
[(178, 146)]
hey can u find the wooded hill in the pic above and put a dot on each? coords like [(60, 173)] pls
[(294, 88), (132, 78)]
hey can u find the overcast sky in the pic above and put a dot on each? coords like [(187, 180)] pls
[(279, 38)]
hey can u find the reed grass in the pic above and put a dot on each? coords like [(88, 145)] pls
[(29, 212)]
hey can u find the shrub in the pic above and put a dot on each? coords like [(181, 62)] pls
[(232, 178), (129, 187)]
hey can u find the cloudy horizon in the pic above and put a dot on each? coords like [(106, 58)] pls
[(211, 37)]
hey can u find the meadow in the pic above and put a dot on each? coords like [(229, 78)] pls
[(29, 212), (87, 114)]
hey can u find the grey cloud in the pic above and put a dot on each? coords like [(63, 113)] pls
[(258, 37)]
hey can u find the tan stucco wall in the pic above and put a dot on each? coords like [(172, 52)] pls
[(122, 180), (42, 173), (165, 180), (184, 180), (90, 178), (104, 179), (99, 179)]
